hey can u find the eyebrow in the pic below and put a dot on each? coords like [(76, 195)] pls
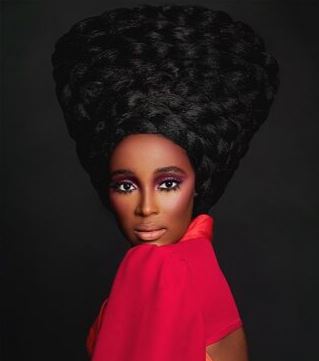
[(157, 171)]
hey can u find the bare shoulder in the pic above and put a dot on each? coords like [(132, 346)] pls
[(232, 347)]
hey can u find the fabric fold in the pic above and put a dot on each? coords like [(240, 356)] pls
[(166, 302)]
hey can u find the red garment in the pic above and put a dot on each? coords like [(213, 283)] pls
[(167, 303)]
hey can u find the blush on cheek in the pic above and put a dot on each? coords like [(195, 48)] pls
[(178, 205), (118, 206)]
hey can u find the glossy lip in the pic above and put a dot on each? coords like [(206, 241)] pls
[(150, 235), (146, 227)]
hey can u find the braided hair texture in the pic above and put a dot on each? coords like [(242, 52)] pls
[(186, 72)]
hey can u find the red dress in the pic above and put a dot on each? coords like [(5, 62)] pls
[(167, 303)]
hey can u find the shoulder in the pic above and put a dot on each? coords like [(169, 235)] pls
[(148, 263), (192, 262), (199, 257)]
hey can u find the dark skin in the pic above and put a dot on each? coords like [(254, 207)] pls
[(233, 347), (153, 184)]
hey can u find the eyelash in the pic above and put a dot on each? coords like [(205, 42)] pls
[(115, 186)]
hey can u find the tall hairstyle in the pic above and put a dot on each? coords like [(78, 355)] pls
[(186, 72)]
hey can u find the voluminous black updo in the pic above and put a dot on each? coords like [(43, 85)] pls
[(189, 73)]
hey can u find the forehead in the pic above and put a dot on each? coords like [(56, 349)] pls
[(148, 151)]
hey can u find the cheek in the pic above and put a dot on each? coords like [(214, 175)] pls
[(178, 203), (122, 207), (120, 204)]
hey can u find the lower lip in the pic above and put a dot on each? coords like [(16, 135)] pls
[(150, 235)]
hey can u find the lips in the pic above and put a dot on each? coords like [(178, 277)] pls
[(149, 233)]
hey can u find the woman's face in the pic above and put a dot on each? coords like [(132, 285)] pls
[(152, 188)]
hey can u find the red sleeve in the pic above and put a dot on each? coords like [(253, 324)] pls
[(94, 330), (220, 313), (151, 314)]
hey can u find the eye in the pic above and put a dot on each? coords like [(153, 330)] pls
[(122, 187), (170, 185)]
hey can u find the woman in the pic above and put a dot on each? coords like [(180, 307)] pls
[(162, 102)]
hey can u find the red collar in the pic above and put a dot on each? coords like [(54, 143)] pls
[(200, 227)]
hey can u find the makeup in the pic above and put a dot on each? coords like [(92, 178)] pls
[(151, 189)]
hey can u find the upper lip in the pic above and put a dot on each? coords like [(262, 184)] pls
[(147, 228)]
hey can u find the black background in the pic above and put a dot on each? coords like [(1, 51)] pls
[(61, 248)]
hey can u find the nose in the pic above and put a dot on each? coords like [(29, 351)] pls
[(146, 204)]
